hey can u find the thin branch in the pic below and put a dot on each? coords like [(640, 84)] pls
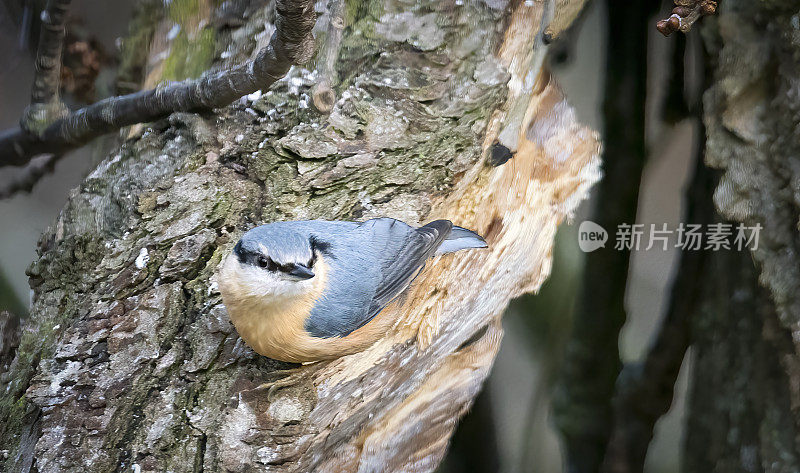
[(48, 57), (46, 105), (292, 43), (685, 14), (30, 175)]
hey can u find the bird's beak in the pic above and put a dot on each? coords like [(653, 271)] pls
[(301, 272)]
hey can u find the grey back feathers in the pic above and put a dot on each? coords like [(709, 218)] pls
[(371, 263)]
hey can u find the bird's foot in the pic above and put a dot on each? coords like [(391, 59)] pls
[(284, 378)]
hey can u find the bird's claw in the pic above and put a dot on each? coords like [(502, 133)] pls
[(284, 379)]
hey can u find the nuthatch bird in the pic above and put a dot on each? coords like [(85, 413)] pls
[(309, 290)]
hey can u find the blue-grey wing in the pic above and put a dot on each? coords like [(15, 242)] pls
[(404, 263), (369, 269)]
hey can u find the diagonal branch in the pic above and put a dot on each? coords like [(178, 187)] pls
[(291, 43)]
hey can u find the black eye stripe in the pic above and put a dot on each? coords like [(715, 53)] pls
[(270, 265), (313, 258), (265, 262), (254, 258), (259, 260), (318, 245)]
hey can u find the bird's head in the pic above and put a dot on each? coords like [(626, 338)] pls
[(271, 262)]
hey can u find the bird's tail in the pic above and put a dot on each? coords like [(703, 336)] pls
[(460, 239)]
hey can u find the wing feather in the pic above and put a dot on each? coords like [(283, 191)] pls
[(405, 264), (394, 257)]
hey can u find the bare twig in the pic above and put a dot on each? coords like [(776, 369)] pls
[(291, 43), (322, 95), (30, 175), (685, 14), (46, 106)]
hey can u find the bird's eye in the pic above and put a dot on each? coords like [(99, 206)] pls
[(264, 262)]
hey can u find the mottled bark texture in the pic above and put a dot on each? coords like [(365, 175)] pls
[(128, 360), (743, 409)]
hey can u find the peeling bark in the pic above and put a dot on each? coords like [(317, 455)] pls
[(129, 360)]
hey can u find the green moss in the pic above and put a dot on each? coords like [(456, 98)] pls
[(197, 287), (438, 144), (358, 46), (192, 51), (182, 11), (12, 410), (360, 10), (188, 58), (34, 345)]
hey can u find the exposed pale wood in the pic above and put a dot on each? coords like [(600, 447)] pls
[(517, 207)]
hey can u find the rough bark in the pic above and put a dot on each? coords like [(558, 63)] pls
[(129, 361), (744, 397)]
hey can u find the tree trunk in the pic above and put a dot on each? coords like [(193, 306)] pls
[(744, 397), (129, 361)]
